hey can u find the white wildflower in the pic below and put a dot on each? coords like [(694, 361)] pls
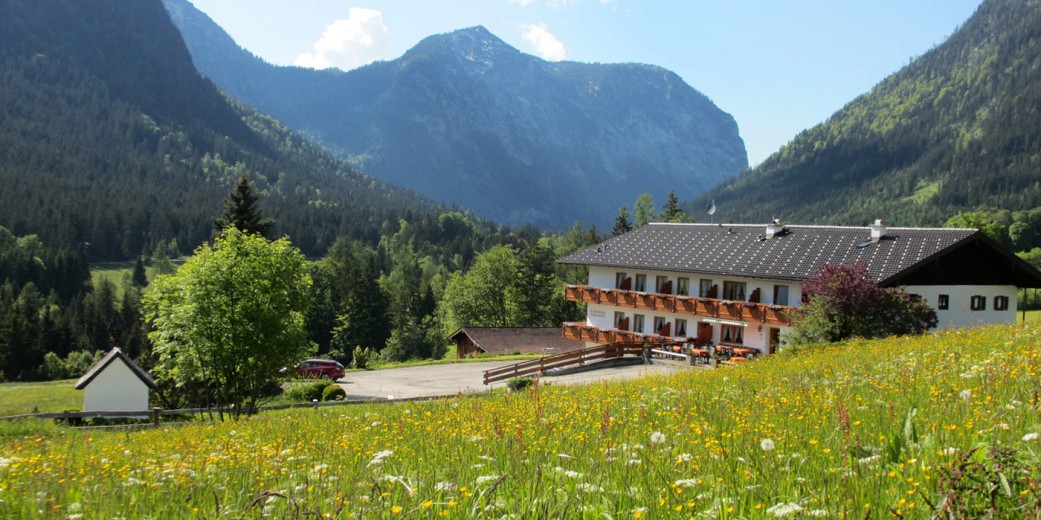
[(564, 456), (767, 444), (686, 482), (657, 437), (589, 488), (484, 479), (965, 395), (950, 451), (378, 457), (1031, 437), (684, 457), (784, 509), (443, 487), (232, 433), (633, 462)]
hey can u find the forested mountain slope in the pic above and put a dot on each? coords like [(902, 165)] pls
[(110, 137), (956, 129), (465, 118)]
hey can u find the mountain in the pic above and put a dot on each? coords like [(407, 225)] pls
[(956, 129), (467, 119), (109, 137)]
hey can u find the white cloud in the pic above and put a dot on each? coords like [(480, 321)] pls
[(545, 45), (359, 39), (522, 3)]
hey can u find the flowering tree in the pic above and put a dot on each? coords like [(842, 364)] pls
[(840, 302)]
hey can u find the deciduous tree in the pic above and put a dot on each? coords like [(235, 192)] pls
[(231, 317)]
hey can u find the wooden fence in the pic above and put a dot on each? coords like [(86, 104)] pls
[(565, 360), (155, 414)]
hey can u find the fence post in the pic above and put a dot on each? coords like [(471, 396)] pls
[(155, 416)]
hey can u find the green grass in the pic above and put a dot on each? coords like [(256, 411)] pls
[(924, 191), (116, 272), (1031, 317), (942, 425), (49, 396)]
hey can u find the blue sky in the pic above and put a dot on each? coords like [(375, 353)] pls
[(777, 66)]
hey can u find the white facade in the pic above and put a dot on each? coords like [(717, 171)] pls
[(955, 305), (751, 334), (116, 388), (969, 305)]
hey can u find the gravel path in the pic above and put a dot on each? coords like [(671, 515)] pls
[(457, 378)]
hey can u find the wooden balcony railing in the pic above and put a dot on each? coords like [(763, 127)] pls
[(581, 332), (708, 307)]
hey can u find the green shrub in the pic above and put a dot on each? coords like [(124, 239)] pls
[(517, 384), (333, 393), (308, 392), (361, 358)]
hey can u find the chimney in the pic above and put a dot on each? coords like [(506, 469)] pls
[(878, 230), (774, 228)]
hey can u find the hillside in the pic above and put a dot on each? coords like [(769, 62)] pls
[(111, 138), (957, 128), (939, 425), (465, 118)]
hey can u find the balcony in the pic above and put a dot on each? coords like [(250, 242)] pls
[(582, 332), (706, 307)]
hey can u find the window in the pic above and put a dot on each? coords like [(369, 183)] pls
[(660, 284), (683, 286), (978, 303), (780, 295), (734, 291), (619, 280), (659, 322), (1001, 303), (943, 302), (681, 328), (641, 282), (619, 317), (638, 323), (705, 287), (733, 334)]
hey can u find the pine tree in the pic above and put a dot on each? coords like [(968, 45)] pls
[(671, 211), (622, 225), (241, 211), (139, 277)]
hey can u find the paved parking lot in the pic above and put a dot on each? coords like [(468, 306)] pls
[(460, 378)]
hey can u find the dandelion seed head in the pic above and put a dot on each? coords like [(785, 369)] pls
[(767, 444), (1031, 437)]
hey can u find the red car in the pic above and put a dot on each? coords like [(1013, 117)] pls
[(320, 369)]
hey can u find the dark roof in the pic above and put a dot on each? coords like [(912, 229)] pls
[(113, 355), (526, 340), (793, 254)]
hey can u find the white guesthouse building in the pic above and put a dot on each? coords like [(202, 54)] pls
[(734, 285)]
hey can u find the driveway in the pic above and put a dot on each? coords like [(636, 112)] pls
[(460, 378)]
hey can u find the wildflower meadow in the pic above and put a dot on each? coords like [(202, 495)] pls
[(944, 424)]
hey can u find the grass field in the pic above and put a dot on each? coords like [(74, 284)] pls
[(945, 424), (1031, 317), (49, 396)]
